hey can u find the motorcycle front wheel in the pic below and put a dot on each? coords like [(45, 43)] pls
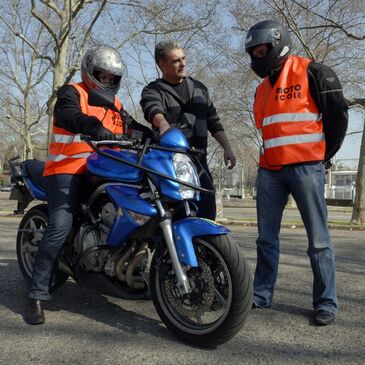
[(221, 296), (30, 234)]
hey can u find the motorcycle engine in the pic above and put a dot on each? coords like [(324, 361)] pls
[(89, 238)]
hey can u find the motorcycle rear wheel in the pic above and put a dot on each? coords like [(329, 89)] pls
[(30, 233), (221, 295)]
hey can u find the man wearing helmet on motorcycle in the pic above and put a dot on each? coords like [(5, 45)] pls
[(177, 100), (301, 113), (101, 68)]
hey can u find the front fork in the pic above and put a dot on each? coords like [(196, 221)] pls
[(182, 280), (183, 284)]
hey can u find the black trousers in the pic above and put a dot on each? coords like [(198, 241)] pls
[(207, 204)]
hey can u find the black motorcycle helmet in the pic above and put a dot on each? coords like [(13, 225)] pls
[(274, 34)]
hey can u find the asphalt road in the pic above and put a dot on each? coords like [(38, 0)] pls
[(83, 327)]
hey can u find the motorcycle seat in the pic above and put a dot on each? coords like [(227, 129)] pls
[(34, 169)]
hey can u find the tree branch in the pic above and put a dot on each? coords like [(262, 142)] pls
[(356, 102), (43, 21), (331, 23), (73, 70)]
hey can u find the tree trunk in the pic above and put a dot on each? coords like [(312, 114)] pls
[(58, 80), (28, 146), (358, 212)]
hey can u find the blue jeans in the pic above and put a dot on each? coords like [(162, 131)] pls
[(306, 184), (63, 192)]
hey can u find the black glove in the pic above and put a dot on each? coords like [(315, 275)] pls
[(98, 132), (104, 134), (139, 131)]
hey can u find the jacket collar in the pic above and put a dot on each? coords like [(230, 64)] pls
[(189, 82)]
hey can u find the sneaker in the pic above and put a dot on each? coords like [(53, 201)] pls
[(324, 317)]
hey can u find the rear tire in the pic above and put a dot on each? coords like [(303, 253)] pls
[(222, 293), (30, 234)]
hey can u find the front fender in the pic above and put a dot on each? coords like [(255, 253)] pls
[(186, 229)]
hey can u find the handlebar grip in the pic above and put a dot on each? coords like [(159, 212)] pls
[(195, 151), (155, 137)]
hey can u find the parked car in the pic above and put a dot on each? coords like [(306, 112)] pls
[(6, 188)]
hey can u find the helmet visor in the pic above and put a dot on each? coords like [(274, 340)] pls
[(115, 69), (261, 36)]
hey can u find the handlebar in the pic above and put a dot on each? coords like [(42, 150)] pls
[(123, 141), (142, 149), (120, 140)]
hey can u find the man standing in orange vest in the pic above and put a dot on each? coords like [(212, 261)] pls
[(101, 68), (301, 113)]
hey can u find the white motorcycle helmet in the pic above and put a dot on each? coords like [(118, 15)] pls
[(102, 59)]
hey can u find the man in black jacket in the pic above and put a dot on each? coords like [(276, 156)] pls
[(177, 100)]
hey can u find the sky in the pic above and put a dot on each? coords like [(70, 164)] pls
[(350, 150)]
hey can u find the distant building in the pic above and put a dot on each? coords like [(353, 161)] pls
[(340, 184), (344, 178)]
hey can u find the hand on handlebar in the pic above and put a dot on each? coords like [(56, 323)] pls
[(104, 135), (98, 132)]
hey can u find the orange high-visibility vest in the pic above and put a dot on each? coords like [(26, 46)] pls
[(288, 118), (67, 153)]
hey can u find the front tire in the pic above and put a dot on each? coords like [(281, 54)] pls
[(30, 234), (221, 295)]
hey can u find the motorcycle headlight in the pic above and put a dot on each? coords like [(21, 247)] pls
[(185, 171)]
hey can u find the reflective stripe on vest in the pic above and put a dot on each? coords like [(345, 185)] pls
[(58, 158), (67, 152), (302, 138), (288, 118), (61, 138)]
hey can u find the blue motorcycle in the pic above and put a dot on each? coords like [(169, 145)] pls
[(136, 235)]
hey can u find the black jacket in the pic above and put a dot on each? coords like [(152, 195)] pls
[(326, 91), (194, 118)]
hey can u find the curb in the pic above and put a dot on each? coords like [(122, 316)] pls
[(331, 225)]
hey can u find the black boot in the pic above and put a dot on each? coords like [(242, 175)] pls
[(34, 312), (324, 317)]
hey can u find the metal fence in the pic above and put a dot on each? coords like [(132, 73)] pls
[(333, 193), (337, 192)]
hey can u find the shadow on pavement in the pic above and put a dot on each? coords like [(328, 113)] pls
[(78, 300), (295, 311)]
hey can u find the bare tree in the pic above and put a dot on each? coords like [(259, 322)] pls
[(67, 40), (45, 41), (358, 212), (20, 75)]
